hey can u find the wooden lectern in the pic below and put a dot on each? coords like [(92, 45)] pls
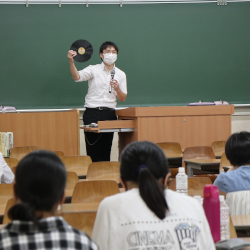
[(190, 126)]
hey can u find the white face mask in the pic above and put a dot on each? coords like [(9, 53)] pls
[(110, 58)]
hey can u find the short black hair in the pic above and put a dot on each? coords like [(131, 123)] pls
[(40, 183), (237, 148), (108, 44)]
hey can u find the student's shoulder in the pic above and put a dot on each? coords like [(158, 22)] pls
[(115, 202), (81, 239), (173, 197)]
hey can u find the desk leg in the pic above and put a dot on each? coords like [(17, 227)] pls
[(191, 167)]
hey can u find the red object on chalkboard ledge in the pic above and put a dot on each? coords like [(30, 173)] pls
[(200, 103)]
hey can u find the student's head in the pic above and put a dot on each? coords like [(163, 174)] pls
[(108, 52), (238, 149), (144, 164), (39, 185)]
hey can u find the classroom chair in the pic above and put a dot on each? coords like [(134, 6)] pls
[(59, 153), (6, 193), (224, 162), (20, 152), (202, 152), (78, 164), (172, 149), (94, 191), (72, 179), (174, 172), (13, 169), (83, 221), (11, 202), (195, 185), (104, 170), (11, 162), (218, 148)]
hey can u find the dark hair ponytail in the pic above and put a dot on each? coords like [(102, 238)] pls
[(40, 183), (22, 211), (145, 163)]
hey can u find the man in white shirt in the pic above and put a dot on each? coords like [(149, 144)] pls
[(6, 175), (100, 102)]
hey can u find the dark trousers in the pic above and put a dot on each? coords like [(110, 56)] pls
[(98, 145)]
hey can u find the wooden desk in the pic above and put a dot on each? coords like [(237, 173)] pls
[(197, 163), (2, 209), (79, 207), (175, 156), (190, 126), (241, 222), (56, 131)]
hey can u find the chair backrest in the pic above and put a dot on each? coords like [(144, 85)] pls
[(195, 185), (170, 148), (224, 162), (218, 147), (83, 221), (11, 162), (6, 193), (20, 152), (72, 179), (78, 164), (11, 202), (13, 169), (202, 152), (59, 153), (174, 172), (94, 191), (239, 202), (104, 170)]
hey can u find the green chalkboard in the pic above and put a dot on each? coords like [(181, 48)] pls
[(172, 54)]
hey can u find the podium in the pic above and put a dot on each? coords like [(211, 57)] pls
[(190, 125)]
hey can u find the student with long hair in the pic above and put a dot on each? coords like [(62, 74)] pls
[(147, 216), (39, 190)]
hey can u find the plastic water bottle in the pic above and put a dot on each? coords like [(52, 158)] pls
[(211, 205), (182, 181), (224, 219)]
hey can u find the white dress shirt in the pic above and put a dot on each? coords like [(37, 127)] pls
[(6, 175), (98, 85)]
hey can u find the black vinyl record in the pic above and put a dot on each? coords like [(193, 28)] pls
[(83, 49)]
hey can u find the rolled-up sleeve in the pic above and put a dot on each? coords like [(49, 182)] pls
[(123, 85), (85, 74)]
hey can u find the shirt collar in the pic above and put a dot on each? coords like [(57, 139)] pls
[(104, 68), (47, 224)]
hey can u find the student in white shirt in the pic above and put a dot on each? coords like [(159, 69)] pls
[(100, 104), (6, 175), (147, 216)]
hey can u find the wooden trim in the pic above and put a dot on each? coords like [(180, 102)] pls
[(78, 130), (176, 111)]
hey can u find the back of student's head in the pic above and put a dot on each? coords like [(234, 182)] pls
[(40, 183), (238, 148), (144, 163)]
